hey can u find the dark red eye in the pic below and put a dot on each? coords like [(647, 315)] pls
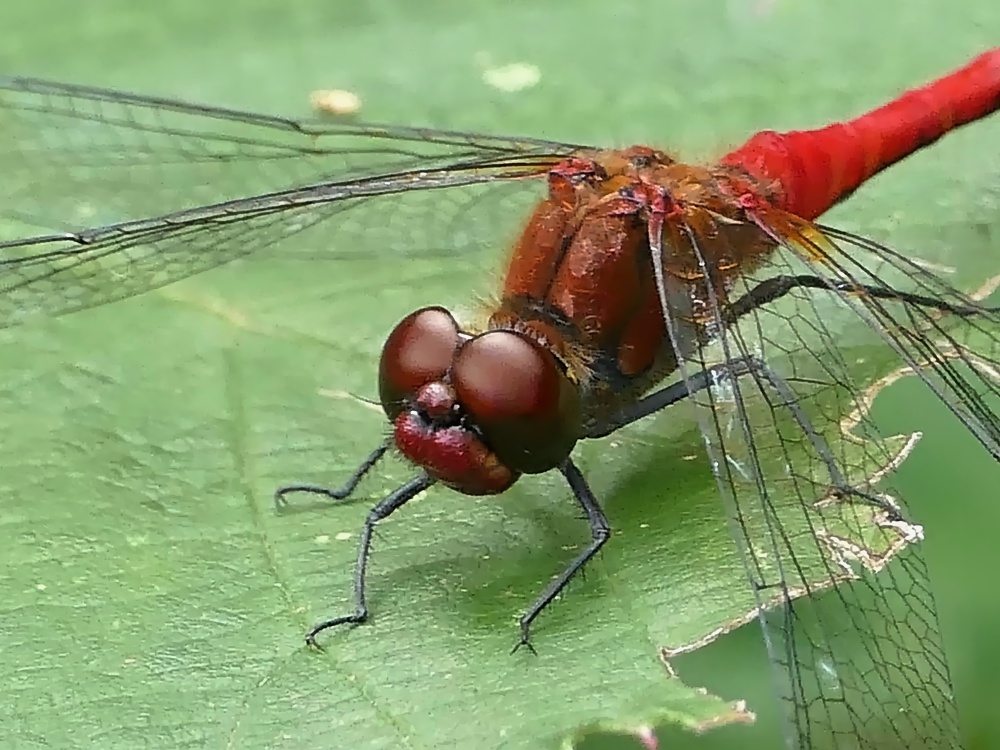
[(515, 393), (419, 350)]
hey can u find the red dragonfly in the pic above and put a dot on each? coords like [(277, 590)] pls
[(637, 282)]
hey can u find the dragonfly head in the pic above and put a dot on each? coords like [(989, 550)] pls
[(476, 412)]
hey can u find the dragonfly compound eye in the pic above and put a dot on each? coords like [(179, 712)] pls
[(418, 351), (518, 397)]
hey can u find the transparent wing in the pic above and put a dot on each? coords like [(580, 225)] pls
[(174, 189), (830, 548), (97, 156), (948, 339)]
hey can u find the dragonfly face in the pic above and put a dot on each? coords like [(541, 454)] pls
[(476, 412)]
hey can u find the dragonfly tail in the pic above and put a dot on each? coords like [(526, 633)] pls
[(815, 169)]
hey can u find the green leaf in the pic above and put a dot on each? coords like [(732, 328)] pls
[(151, 594)]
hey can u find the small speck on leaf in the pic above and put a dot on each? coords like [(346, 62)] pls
[(512, 77), (337, 102)]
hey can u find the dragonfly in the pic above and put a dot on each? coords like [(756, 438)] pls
[(637, 282)]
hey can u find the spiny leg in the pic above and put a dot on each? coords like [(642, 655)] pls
[(763, 293), (383, 510), (340, 493), (714, 375), (776, 287), (600, 532), (673, 393)]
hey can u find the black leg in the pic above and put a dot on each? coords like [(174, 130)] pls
[(383, 510), (733, 369), (789, 400), (281, 501), (778, 286), (765, 292), (600, 532), (670, 395)]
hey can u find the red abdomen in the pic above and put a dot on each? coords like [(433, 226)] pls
[(818, 168)]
